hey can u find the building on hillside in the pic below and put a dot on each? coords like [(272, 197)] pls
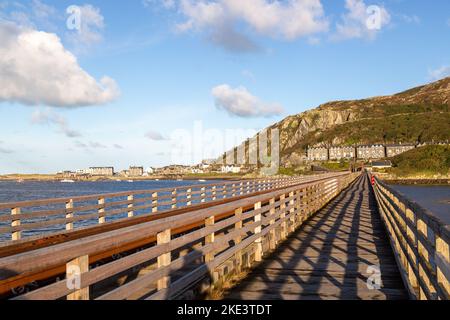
[(377, 151), (339, 153), (230, 169), (381, 164), (393, 150), (136, 171), (101, 171), (318, 154)]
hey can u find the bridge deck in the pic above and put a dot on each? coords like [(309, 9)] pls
[(329, 257)]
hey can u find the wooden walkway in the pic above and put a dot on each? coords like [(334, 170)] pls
[(331, 256)]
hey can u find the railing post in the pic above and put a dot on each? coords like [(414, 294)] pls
[(174, 199), (154, 202), (283, 234), (272, 234), (224, 191), (258, 241), (74, 271), (130, 206), (209, 239), (248, 187), (233, 190), (213, 193), (15, 222), (164, 260), (292, 212), (202, 194), (442, 263), (188, 197), (241, 188), (101, 210), (238, 239), (297, 208), (69, 214)]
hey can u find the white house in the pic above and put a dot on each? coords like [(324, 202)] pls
[(230, 169)]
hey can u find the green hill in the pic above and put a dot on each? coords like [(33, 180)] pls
[(426, 161), (420, 114)]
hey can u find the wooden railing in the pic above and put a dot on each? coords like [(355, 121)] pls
[(231, 236), (420, 242), (49, 216)]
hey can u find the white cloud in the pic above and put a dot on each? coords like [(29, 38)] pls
[(49, 117), (287, 20), (91, 27), (36, 69), (361, 21), (439, 73), (240, 102), (154, 135), (42, 10), (5, 150), (97, 145)]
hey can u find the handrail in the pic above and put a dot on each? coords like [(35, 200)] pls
[(268, 220), (420, 241), (49, 216)]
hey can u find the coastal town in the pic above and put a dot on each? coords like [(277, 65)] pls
[(372, 155)]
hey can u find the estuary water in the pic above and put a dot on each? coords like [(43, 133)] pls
[(11, 191), (434, 198)]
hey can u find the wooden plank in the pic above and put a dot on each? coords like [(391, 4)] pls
[(74, 271), (332, 256)]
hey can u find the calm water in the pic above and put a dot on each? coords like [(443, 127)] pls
[(434, 198), (14, 191)]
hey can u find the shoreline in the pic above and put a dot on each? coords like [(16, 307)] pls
[(54, 178), (423, 182)]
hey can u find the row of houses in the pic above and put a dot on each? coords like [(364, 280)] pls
[(363, 152), (133, 171)]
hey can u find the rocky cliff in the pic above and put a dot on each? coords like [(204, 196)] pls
[(418, 114)]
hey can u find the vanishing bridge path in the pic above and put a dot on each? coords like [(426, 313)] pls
[(327, 236), (332, 256)]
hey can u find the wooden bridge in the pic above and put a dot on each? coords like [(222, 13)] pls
[(328, 236)]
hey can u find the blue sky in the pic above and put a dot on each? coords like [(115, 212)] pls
[(170, 65)]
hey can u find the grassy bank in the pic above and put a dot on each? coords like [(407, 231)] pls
[(429, 162)]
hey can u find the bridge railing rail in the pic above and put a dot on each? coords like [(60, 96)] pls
[(420, 242), (28, 219), (236, 233)]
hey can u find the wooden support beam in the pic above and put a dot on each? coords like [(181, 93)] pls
[(272, 235), (238, 239), (174, 199), (258, 241), (164, 259), (188, 197), (69, 214), (202, 194), (101, 211), (291, 211), (283, 232), (130, 206), (213, 193), (74, 270), (154, 202), (209, 239), (15, 222)]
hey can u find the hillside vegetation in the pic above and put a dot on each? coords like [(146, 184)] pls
[(420, 114), (426, 161)]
